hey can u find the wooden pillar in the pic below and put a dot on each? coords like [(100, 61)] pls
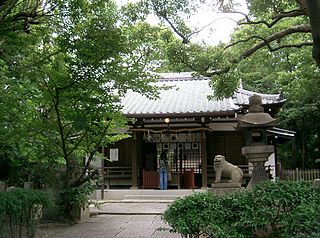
[(294, 151), (204, 163), (102, 172), (276, 158), (134, 162)]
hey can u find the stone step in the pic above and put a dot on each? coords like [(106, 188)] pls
[(144, 201), (145, 197), (143, 194)]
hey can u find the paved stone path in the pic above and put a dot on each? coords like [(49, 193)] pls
[(118, 220)]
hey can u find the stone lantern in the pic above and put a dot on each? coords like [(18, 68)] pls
[(255, 124)]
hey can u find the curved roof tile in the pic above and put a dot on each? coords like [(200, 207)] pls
[(188, 95)]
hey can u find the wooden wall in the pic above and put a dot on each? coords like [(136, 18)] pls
[(228, 144), (125, 153)]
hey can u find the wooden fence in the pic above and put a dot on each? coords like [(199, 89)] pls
[(297, 174), (117, 176)]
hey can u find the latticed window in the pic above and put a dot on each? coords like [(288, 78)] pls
[(183, 156)]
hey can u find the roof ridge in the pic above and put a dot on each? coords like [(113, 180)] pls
[(250, 93), (182, 76)]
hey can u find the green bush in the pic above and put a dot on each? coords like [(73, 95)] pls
[(267, 210), (270, 203), (74, 198), (304, 221), (190, 215), (19, 210)]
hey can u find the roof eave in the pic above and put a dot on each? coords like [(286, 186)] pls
[(231, 113)]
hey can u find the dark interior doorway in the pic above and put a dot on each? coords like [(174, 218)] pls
[(150, 156)]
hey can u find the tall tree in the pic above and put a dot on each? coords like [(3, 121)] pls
[(270, 26), (274, 48), (63, 88)]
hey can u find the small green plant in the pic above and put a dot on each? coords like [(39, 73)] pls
[(19, 211), (74, 198)]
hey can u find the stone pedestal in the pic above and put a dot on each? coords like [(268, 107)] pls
[(259, 174), (28, 185), (317, 182), (81, 214), (222, 188), (2, 186), (257, 155)]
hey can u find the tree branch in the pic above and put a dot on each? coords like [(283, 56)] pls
[(313, 9), (217, 72), (244, 41), (269, 46), (7, 10), (276, 19), (56, 101), (29, 15), (207, 25), (185, 40), (78, 182), (278, 35), (33, 129), (265, 42), (78, 143), (90, 158), (290, 46)]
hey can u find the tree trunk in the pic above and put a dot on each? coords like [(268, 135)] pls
[(313, 12)]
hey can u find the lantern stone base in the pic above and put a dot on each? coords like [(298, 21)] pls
[(80, 214), (2, 186), (259, 174), (317, 182), (225, 188), (257, 155)]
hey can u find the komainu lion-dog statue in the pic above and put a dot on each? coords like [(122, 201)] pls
[(223, 168)]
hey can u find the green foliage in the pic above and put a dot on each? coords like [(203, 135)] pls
[(175, 14), (19, 211), (9, 155), (61, 84), (271, 8), (300, 113), (290, 71), (225, 85), (75, 197), (190, 215), (267, 210), (271, 203), (303, 221)]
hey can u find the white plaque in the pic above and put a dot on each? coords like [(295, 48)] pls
[(114, 154)]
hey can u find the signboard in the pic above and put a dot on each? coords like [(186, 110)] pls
[(114, 154)]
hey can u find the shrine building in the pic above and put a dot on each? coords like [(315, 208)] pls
[(184, 122)]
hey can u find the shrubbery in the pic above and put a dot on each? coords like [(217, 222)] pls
[(19, 209), (189, 215), (271, 209)]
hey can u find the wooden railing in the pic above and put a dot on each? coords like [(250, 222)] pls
[(122, 176), (297, 174), (117, 176), (150, 179)]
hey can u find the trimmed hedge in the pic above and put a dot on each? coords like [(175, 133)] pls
[(271, 209)]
